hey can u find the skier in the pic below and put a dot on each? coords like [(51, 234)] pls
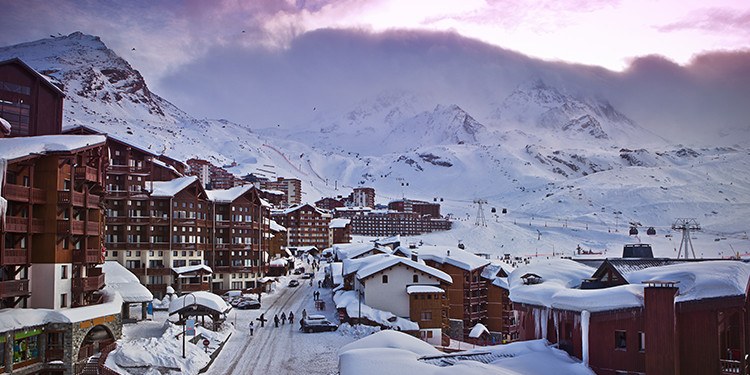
[(283, 318), (262, 320), (252, 328), (276, 320), (291, 318)]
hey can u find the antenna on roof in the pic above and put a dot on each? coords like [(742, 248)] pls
[(686, 225)]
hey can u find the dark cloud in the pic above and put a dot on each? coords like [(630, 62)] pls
[(329, 69)]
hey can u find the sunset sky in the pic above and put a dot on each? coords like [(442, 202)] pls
[(605, 33)]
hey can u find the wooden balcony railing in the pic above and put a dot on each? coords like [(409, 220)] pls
[(20, 193), (88, 284), (11, 257), (93, 201), (21, 225), (88, 256), (14, 288), (87, 173), (195, 287)]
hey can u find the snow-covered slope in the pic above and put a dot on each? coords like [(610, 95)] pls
[(571, 168)]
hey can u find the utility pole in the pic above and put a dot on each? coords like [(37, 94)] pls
[(686, 225)]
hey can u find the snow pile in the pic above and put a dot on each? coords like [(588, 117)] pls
[(348, 300), (390, 352), (557, 275), (450, 255), (125, 282), (165, 352), (357, 330)]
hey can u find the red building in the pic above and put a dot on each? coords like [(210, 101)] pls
[(420, 207), (306, 225), (688, 318), (362, 197), (391, 223), (330, 203), (341, 230), (28, 101)]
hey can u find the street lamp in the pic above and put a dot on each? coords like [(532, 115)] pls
[(360, 294), (184, 324)]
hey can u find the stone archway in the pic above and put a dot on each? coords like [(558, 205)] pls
[(95, 340)]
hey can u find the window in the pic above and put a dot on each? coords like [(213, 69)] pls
[(415, 278), (641, 341), (63, 300), (385, 279), (620, 340), (64, 272), (426, 315)]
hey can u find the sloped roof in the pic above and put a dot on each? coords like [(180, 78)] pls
[(298, 206), (354, 250), (339, 223), (453, 256), (188, 269), (228, 195), (171, 188), (276, 227), (411, 289), (207, 300), (19, 147), (45, 80), (377, 263)]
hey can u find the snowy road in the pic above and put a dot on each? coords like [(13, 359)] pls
[(282, 350)]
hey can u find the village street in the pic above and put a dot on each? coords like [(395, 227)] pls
[(282, 350)]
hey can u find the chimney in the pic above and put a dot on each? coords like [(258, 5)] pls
[(660, 328), (415, 256)]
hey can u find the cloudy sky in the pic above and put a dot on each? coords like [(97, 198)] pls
[(184, 47)]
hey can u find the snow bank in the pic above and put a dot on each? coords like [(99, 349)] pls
[(395, 340), (348, 300)]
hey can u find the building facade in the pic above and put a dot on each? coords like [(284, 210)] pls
[(306, 225), (291, 187)]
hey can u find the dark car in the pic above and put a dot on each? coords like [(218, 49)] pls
[(248, 305), (293, 283), (317, 323), (308, 275)]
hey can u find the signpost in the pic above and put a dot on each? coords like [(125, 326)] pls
[(205, 344)]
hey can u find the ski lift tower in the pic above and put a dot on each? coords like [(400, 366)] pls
[(481, 221), (686, 225)]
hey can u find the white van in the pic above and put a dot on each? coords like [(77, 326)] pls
[(231, 294)]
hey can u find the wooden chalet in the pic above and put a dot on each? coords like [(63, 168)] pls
[(29, 102)]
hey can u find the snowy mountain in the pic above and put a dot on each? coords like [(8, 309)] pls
[(548, 155)]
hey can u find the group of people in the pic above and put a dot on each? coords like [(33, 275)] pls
[(283, 318)]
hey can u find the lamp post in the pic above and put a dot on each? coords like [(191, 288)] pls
[(184, 324), (360, 295)]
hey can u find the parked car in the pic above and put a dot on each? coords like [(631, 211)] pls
[(293, 283), (308, 275), (299, 270), (249, 304), (317, 323)]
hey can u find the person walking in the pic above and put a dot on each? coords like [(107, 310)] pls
[(301, 324), (252, 328), (283, 318), (320, 282), (262, 320), (291, 318), (304, 313), (276, 320)]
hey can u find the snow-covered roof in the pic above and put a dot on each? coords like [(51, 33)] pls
[(4, 126), (376, 263), (478, 330), (273, 192), (310, 206), (339, 223), (695, 280), (206, 299), (276, 227), (11, 319), (171, 188), (165, 165), (490, 272), (304, 249), (335, 269), (18, 147), (423, 289), (188, 269), (125, 282), (354, 250), (278, 262), (228, 195), (451, 255)]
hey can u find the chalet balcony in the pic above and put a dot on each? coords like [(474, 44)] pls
[(92, 228), (21, 225), (222, 224), (730, 367), (14, 257), (87, 256), (151, 271), (87, 173), (88, 284), (157, 288), (204, 286), (125, 169), (471, 315), (70, 197), (92, 201), (18, 193), (479, 285), (14, 288)]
